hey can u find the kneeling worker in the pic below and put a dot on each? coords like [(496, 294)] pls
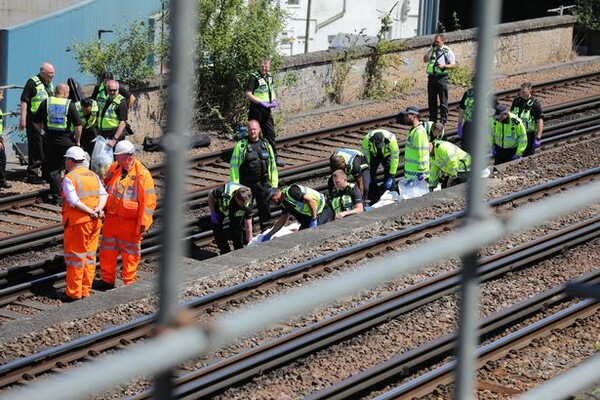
[(308, 206), (346, 199), (233, 201), (448, 163)]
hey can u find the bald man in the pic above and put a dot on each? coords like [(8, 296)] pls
[(37, 89), (59, 117)]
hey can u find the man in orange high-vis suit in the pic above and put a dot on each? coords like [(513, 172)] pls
[(131, 202), (84, 198)]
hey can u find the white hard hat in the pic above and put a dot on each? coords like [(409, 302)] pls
[(76, 153), (124, 147)]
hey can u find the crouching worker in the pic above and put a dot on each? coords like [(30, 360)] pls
[(84, 198), (449, 164), (346, 199), (308, 206), (233, 201)]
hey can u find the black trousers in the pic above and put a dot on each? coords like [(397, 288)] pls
[(54, 162), (265, 119), (530, 149), (437, 88), (375, 191), (466, 142), (503, 155), (235, 233), (87, 135), (259, 192), (2, 164), (35, 149), (324, 217)]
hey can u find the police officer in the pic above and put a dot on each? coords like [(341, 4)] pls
[(233, 201), (58, 115), (509, 138), (260, 92), (354, 164), (416, 149), (113, 115), (37, 89), (440, 59), (448, 164), (529, 109), (381, 147), (253, 165), (308, 206), (100, 92), (347, 199), (88, 112)]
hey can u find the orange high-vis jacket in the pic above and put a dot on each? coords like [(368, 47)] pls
[(133, 197), (88, 190)]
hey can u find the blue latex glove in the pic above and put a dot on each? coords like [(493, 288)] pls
[(313, 223), (420, 176), (265, 104), (459, 131), (274, 104), (266, 237), (389, 183), (537, 143), (214, 218), (515, 157), (493, 150)]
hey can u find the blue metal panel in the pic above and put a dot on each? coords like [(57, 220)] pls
[(47, 39)]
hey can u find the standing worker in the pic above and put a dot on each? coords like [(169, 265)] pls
[(416, 149), (509, 138), (84, 198), (308, 206), (347, 199), (354, 164), (131, 202), (529, 110), (233, 201), (439, 59), (253, 165), (381, 147), (448, 164), (113, 115), (100, 92), (4, 183), (88, 112), (58, 115), (260, 92), (37, 89)]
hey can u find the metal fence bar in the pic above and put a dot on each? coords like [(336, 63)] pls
[(160, 354), (488, 13), (176, 142)]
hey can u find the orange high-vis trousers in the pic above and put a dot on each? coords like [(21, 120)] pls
[(119, 237), (80, 246)]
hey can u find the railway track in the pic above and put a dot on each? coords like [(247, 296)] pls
[(26, 222), (235, 370)]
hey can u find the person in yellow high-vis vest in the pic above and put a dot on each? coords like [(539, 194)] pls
[(440, 60)]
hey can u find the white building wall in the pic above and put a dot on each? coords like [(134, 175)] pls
[(330, 17)]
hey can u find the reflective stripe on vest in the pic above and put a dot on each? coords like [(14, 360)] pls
[(57, 108), (109, 119), (265, 90), (228, 194), (342, 201), (432, 67), (89, 121), (300, 206), (42, 93), (102, 96), (88, 190), (525, 115)]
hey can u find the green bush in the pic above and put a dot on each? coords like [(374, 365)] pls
[(461, 76), (588, 13)]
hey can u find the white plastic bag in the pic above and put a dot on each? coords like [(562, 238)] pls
[(411, 189), (102, 156), (386, 198), (286, 230)]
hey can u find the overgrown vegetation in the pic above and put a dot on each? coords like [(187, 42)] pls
[(461, 75), (341, 68), (130, 56), (588, 13), (234, 35)]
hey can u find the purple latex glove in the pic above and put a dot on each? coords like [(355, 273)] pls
[(313, 223), (493, 150), (214, 218), (420, 176), (265, 104), (515, 157), (537, 143), (274, 104), (459, 131)]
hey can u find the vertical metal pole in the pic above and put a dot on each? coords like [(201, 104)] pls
[(176, 140), (421, 19), (436, 15), (488, 13), (306, 36)]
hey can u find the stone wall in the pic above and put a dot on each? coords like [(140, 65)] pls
[(307, 82)]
